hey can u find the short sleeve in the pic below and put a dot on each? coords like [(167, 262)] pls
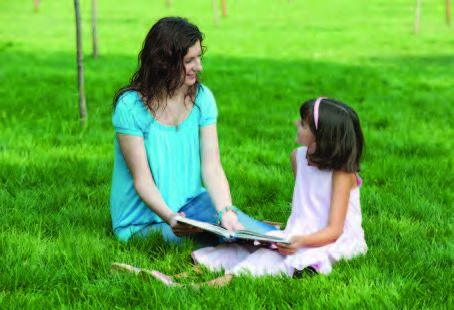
[(209, 111), (125, 118)]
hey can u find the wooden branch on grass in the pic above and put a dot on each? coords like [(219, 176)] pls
[(80, 67), (93, 27)]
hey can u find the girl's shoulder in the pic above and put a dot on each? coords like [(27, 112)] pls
[(300, 154)]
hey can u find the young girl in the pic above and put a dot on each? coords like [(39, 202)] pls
[(325, 223)]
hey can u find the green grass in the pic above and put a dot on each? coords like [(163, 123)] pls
[(263, 61)]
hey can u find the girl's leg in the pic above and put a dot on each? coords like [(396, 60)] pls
[(263, 262)]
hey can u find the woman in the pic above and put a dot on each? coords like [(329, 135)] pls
[(166, 138)]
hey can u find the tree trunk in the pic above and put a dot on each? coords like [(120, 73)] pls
[(224, 8), (93, 27), (168, 2), (36, 5), (215, 12), (448, 12), (418, 9), (80, 67)]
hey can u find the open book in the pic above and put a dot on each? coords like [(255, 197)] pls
[(229, 235)]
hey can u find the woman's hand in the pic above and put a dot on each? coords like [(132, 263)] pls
[(230, 221), (180, 229), (290, 249)]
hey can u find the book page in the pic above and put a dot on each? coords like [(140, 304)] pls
[(216, 229), (248, 234)]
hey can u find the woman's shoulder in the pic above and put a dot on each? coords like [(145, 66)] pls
[(207, 106), (129, 112), (204, 94), (130, 102), (129, 98)]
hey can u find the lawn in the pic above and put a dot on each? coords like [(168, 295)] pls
[(262, 62)]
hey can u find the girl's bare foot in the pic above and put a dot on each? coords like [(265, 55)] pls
[(185, 275), (124, 267), (164, 278), (118, 267), (219, 282), (167, 280)]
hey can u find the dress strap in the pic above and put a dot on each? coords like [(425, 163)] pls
[(359, 181)]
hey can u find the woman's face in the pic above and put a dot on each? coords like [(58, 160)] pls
[(192, 63)]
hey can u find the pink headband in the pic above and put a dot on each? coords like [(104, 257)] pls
[(316, 107)]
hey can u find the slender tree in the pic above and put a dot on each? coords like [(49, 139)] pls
[(448, 12), (93, 27), (224, 8), (36, 5), (417, 13), (168, 2), (80, 67), (215, 12)]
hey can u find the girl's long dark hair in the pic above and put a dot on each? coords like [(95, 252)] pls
[(161, 69), (339, 138)]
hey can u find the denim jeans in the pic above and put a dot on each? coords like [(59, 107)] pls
[(201, 208)]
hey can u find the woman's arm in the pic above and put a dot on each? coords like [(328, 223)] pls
[(343, 183), (134, 154), (214, 176)]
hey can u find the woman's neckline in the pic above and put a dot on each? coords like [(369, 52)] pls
[(175, 128)]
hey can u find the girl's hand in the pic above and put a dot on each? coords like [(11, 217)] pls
[(230, 221), (290, 249), (180, 229)]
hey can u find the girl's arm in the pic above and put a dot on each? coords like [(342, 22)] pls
[(214, 177), (293, 161), (134, 154), (343, 183)]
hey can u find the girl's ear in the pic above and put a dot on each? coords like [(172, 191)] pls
[(312, 147)]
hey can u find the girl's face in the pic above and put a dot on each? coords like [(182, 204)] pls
[(304, 135), (192, 63)]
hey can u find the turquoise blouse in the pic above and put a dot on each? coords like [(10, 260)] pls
[(173, 156)]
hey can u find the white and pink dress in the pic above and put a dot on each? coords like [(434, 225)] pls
[(310, 212)]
